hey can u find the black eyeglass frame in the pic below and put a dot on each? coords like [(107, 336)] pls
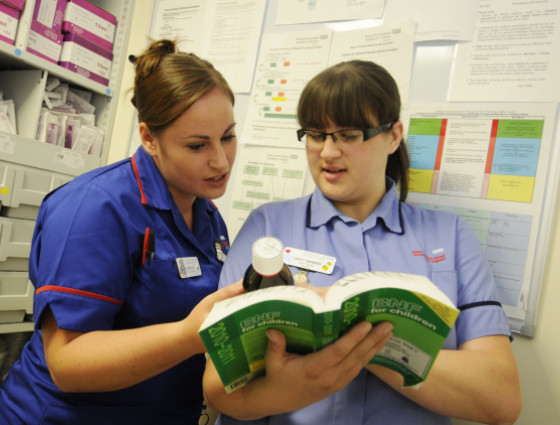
[(368, 133)]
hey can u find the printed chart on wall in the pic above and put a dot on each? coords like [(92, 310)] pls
[(489, 163), (265, 174), (286, 62), (224, 32), (512, 56)]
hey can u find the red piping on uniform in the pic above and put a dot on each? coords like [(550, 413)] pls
[(78, 292), (137, 174)]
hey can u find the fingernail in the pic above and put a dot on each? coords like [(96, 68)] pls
[(270, 337), (387, 328), (365, 327)]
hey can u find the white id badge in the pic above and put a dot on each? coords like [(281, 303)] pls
[(188, 267), (309, 260)]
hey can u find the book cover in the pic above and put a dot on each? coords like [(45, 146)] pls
[(234, 333)]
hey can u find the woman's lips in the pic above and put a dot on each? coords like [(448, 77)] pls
[(218, 180), (333, 173)]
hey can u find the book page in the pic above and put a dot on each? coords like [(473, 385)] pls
[(296, 294), (352, 285)]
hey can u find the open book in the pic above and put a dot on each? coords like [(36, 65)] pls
[(422, 315)]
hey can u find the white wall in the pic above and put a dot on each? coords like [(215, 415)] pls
[(538, 358)]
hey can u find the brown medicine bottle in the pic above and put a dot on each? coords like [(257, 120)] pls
[(267, 268)]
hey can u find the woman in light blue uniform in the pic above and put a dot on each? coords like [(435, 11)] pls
[(124, 259), (353, 136)]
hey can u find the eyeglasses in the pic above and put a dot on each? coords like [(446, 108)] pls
[(314, 138)]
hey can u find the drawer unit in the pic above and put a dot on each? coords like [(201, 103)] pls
[(22, 189), (16, 297), (15, 243)]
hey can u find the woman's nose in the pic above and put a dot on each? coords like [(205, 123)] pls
[(219, 159), (330, 147)]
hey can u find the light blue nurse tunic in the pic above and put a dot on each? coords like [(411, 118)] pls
[(91, 265), (396, 237)]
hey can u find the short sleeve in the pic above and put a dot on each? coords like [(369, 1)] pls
[(82, 256)]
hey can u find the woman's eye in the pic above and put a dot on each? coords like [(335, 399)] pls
[(196, 147), (316, 137), (349, 136), (228, 138)]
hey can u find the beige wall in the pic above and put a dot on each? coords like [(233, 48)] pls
[(538, 358), (124, 117)]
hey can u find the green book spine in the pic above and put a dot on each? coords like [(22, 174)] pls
[(327, 327), (226, 351), (241, 341)]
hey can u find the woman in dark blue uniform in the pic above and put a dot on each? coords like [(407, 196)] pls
[(124, 259)]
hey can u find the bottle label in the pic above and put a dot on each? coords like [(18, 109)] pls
[(308, 260)]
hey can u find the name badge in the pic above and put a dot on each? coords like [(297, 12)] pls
[(188, 267), (309, 260)]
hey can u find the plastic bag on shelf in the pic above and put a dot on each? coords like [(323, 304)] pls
[(8, 116)]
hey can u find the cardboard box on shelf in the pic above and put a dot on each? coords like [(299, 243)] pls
[(90, 21), (86, 58), (9, 19)]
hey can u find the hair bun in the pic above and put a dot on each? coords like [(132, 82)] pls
[(164, 46), (150, 59)]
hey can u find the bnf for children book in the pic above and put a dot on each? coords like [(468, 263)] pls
[(422, 315)]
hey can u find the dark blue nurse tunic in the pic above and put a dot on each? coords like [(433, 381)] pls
[(91, 265)]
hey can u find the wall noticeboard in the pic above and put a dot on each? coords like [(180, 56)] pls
[(491, 157)]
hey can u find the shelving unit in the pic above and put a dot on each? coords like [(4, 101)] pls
[(29, 169), (15, 60)]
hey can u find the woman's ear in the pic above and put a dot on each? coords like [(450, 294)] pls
[(396, 136), (148, 140)]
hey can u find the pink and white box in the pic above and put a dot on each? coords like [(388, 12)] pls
[(91, 22), (86, 58), (50, 13), (9, 19), (45, 33), (44, 42), (17, 4)]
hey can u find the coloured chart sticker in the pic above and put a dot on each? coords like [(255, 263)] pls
[(479, 157)]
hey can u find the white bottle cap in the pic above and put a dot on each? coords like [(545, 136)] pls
[(268, 255)]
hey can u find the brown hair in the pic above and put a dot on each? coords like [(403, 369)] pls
[(353, 94), (168, 82)]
